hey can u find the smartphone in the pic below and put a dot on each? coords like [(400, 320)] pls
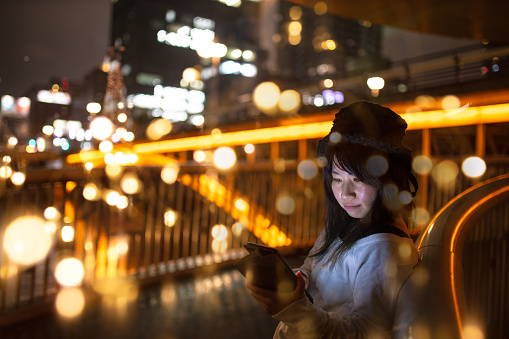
[(265, 267)]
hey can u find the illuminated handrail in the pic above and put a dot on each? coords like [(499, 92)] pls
[(432, 302), (299, 131)]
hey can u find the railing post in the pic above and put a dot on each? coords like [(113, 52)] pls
[(426, 151), (480, 142)]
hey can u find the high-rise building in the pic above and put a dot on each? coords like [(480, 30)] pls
[(227, 48)]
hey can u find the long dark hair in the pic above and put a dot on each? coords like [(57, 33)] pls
[(355, 159)]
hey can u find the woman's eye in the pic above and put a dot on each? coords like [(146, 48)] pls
[(336, 180), (356, 180)]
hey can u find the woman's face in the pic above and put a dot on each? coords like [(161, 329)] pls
[(354, 196)]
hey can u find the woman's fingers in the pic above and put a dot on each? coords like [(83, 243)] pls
[(301, 283), (272, 301)]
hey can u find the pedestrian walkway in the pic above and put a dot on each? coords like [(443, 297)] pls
[(205, 307)]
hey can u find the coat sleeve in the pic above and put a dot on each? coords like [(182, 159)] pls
[(307, 266)]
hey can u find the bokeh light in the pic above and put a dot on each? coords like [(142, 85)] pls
[(18, 178), (307, 169), (122, 247), (219, 246), (285, 204), (404, 250), (128, 136), (289, 101), (237, 228), (420, 216), (170, 172), (26, 240), (112, 253), (266, 96), (106, 146), (294, 28), (279, 165), (170, 217), (249, 148), (294, 39), (88, 166), (335, 137), (472, 332), (199, 156), (219, 232), (50, 227), (93, 107), (101, 128), (130, 183), (67, 233), (224, 158), (450, 102), (109, 159), (122, 117), (198, 120), (190, 74), (113, 170), (158, 128), (122, 202), (425, 102), (216, 133), (91, 192), (69, 272), (405, 197), (377, 165), (445, 172), (111, 197), (51, 213), (295, 12), (5, 172), (70, 302), (47, 130), (375, 83), (473, 167), (422, 164), (12, 141), (320, 8), (391, 197), (241, 204), (211, 50)]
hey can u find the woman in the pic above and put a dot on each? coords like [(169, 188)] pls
[(364, 254)]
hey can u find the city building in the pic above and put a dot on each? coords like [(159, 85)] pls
[(227, 49)]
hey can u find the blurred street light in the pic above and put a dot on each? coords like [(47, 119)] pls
[(375, 84)]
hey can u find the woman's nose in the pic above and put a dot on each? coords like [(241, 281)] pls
[(347, 190)]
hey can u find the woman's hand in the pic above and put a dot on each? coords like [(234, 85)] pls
[(272, 301)]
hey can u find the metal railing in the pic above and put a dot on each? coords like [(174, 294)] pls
[(201, 219), (460, 287)]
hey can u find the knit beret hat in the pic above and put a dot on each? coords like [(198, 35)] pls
[(370, 125)]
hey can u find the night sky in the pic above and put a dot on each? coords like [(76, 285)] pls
[(42, 40), (45, 39)]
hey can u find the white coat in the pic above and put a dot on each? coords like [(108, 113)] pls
[(354, 299)]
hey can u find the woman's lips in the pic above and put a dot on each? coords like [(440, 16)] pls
[(350, 207)]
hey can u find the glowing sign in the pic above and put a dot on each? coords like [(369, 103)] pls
[(327, 97), (172, 103), (231, 3), (186, 37), (51, 97), (233, 67), (15, 106), (204, 23)]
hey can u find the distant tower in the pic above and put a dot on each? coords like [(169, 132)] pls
[(115, 103)]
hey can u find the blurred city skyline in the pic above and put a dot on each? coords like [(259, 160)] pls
[(41, 41)]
